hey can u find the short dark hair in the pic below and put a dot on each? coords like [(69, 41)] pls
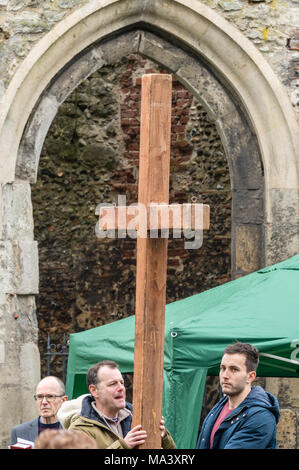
[(250, 352), (92, 374)]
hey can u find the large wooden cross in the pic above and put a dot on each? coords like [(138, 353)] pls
[(154, 165)]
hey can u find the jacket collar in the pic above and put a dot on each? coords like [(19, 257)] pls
[(88, 411), (122, 414)]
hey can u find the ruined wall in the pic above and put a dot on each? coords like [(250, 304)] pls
[(91, 156)]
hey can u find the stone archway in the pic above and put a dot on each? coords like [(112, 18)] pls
[(239, 140), (194, 26), (257, 127)]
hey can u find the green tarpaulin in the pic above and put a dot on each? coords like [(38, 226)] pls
[(261, 308)]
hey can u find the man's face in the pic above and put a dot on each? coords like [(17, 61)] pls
[(233, 374), (48, 408), (110, 392)]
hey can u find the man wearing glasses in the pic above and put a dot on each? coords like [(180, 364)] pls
[(50, 394)]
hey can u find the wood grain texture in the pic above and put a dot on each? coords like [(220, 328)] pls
[(152, 258)]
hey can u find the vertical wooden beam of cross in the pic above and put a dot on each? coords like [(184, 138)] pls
[(154, 165), (153, 190)]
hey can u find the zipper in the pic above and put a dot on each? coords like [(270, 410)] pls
[(234, 415)]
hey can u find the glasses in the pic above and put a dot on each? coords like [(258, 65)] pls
[(49, 398)]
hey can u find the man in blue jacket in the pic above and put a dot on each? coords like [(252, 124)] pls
[(245, 417)]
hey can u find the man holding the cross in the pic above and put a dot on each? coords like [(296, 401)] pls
[(106, 416), (151, 264)]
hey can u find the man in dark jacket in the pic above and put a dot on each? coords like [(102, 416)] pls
[(245, 417)]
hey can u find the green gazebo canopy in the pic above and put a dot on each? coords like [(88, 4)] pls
[(261, 308)]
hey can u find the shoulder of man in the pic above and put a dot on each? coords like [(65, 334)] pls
[(82, 421), (27, 430), (104, 437), (69, 410), (167, 441), (258, 399), (25, 425)]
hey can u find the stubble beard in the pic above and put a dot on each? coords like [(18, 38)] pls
[(233, 391)]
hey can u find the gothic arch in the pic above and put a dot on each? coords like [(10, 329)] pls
[(239, 140), (207, 37)]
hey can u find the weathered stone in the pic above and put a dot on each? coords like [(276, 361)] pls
[(162, 52), (18, 331), (243, 152), (2, 89), (18, 48), (76, 73), (283, 232), (29, 151), (23, 318), (273, 385), (18, 267), (249, 206), (2, 351), (15, 5), (286, 430), (206, 89), (6, 267), (230, 5), (9, 393), (67, 4), (27, 269), (17, 212), (27, 23), (29, 374), (53, 17), (101, 155), (247, 238), (123, 46), (289, 392), (2, 329)]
